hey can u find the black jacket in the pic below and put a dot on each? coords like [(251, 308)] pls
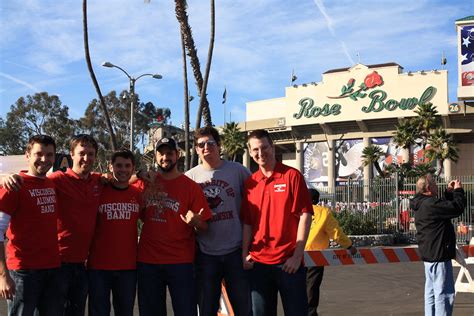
[(434, 230)]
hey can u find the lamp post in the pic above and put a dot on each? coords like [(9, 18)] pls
[(131, 92)]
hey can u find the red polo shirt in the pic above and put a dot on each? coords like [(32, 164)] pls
[(78, 201), (32, 237), (273, 206)]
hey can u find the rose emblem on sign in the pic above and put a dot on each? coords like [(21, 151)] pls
[(372, 80)]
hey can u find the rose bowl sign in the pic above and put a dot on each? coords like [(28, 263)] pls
[(365, 95)]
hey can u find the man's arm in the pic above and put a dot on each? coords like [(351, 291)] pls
[(7, 286), (246, 239), (293, 263), (12, 182), (195, 220)]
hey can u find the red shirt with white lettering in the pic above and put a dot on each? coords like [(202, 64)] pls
[(115, 241), (32, 237), (273, 207), (78, 201), (166, 238)]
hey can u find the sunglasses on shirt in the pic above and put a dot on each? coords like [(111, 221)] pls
[(209, 143)]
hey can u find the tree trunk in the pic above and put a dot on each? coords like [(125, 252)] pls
[(113, 141), (205, 111), (379, 170), (182, 17), (186, 107)]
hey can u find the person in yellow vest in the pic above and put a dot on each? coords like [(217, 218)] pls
[(323, 227)]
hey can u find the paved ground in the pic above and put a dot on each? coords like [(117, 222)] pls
[(377, 289)]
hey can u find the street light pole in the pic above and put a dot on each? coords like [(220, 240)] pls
[(132, 95)]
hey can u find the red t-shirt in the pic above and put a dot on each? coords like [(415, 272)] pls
[(32, 236), (273, 206), (78, 201), (115, 241), (166, 238)]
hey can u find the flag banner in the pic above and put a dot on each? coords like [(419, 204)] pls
[(467, 55), (224, 96)]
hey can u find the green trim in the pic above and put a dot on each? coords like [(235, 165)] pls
[(467, 18)]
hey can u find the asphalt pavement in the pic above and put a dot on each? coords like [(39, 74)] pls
[(375, 289)]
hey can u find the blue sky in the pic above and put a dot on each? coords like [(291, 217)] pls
[(258, 43)]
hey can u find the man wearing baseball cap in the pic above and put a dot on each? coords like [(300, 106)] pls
[(175, 209)]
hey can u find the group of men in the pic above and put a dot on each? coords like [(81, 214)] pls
[(72, 234)]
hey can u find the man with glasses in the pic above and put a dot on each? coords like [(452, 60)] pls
[(219, 254), (78, 193), (28, 216)]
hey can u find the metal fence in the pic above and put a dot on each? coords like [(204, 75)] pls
[(383, 205)]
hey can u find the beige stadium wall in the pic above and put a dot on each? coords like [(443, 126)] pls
[(465, 164)]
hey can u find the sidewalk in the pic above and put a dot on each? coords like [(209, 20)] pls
[(375, 289)]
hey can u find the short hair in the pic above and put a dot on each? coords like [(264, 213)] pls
[(85, 140), (40, 139), (122, 153), (314, 196), (424, 182), (207, 131), (259, 134)]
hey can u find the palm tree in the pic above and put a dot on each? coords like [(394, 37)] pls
[(426, 120), (442, 147), (233, 140), (113, 141), (405, 135), (182, 17), (186, 108), (371, 155)]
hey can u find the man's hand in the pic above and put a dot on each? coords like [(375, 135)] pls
[(7, 287), (12, 182), (247, 262), (191, 218), (147, 176), (455, 184), (292, 264)]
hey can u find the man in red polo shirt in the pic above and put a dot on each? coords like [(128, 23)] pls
[(276, 212), (113, 254), (32, 278), (78, 193), (175, 209)]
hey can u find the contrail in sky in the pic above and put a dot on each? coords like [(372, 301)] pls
[(322, 9), (19, 81)]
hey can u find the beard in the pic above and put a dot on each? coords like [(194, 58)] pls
[(167, 168)]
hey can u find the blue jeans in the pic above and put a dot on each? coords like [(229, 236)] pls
[(210, 270), (152, 282), (265, 283), (73, 288), (35, 289), (122, 284), (439, 288)]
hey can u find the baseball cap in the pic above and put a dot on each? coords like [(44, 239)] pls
[(165, 141)]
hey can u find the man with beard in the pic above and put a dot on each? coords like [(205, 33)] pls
[(175, 209), (32, 278), (78, 193)]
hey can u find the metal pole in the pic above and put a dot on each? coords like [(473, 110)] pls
[(132, 109)]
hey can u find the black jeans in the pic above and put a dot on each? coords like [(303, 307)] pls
[(314, 277), (36, 289)]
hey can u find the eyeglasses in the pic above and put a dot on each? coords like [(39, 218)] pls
[(209, 143)]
